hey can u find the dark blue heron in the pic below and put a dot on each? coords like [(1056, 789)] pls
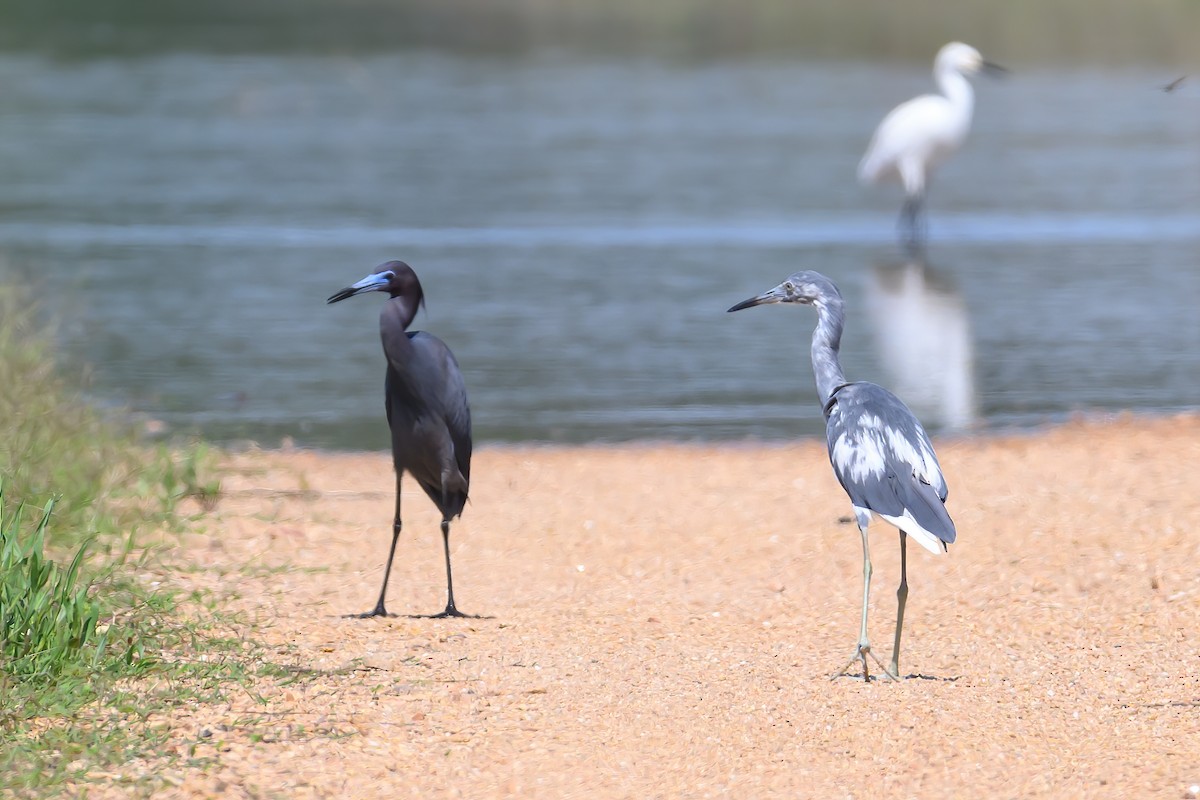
[(426, 404), (879, 451)]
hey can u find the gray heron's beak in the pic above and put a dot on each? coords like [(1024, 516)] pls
[(994, 70), (371, 283), (776, 295)]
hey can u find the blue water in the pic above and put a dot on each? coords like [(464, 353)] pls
[(580, 226)]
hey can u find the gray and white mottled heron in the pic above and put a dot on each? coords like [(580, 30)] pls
[(426, 404), (880, 453)]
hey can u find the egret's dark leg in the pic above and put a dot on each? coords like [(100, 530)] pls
[(913, 247), (911, 231), (901, 599), (450, 611), (863, 649), (379, 610)]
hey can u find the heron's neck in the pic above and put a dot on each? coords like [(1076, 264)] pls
[(958, 91), (826, 340), (394, 319)]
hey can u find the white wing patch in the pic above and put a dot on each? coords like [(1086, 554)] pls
[(917, 455), (873, 445), (859, 457)]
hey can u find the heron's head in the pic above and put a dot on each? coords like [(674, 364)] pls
[(807, 287), (395, 278), (962, 58)]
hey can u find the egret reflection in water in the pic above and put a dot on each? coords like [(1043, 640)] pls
[(922, 334)]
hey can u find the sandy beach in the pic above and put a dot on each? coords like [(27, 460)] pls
[(662, 621)]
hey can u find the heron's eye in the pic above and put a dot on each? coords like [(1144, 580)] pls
[(789, 287), (391, 276)]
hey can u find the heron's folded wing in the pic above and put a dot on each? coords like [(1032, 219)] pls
[(924, 506)]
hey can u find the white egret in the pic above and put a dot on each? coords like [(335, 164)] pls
[(919, 134)]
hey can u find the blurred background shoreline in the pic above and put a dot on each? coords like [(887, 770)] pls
[(1093, 32), (583, 188)]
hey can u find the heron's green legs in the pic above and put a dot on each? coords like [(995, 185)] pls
[(863, 649)]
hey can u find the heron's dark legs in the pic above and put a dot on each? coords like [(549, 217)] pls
[(450, 611), (901, 599), (379, 610), (863, 649)]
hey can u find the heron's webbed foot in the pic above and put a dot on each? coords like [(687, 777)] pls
[(861, 651)]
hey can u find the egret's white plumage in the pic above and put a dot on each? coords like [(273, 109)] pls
[(919, 134)]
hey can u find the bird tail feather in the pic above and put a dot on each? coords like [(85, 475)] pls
[(925, 517)]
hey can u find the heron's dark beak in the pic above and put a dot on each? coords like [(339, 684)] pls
[(371, 283), (751, 303), (994, 70), (773, 296), (342, 295)]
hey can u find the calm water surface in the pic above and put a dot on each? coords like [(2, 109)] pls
[(580, 227)]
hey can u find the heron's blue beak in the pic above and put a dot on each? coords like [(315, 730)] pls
[(371, 283)]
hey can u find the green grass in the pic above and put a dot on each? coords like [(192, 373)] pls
[(47, 620), (80, 634)]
